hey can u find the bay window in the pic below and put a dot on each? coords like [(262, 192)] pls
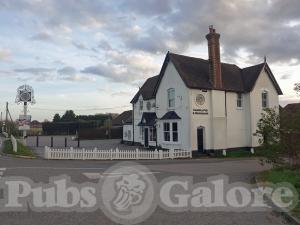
[(170, 132), (166, 132)]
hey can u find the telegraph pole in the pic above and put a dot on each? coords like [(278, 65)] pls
[(6, 114)]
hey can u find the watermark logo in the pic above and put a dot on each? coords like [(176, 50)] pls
[(128, 193), (131, 190)]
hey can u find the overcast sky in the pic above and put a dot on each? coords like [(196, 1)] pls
[(92, 55)]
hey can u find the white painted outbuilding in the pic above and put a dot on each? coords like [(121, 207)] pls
[(202, 105)]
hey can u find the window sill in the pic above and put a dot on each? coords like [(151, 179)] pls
[(240, 108), (171, 143)]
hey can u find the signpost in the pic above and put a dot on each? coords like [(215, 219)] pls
[(25, 95)]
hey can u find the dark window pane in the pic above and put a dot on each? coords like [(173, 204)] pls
[(175, 136)]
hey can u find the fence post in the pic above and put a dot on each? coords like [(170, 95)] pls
[(83, 153), (117, 153), (160, 152), (191, 153), (224, 152), (111, 152), (66, 142), (37, 141), (51, 145), (72, 156), (46, 152), (137, 154), (252, 150), (94, 153), (172, 153)]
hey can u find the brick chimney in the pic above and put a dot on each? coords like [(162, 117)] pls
[(215, 75)]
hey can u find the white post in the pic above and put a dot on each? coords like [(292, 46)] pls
[(14, 143), (171, 153), (224, 152), (46, 152), (252, 150), (111, 152), (95, 153), (25, 115), (117, 153), (160, 152), (72, 155), (137, 154)]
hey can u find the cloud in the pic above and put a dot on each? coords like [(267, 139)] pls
[(79, 45), (68, 70), (285, 77), (69, 73), (42, 36), (35, 70), (5, 54), (123, 67)]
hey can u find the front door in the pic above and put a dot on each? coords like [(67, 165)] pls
[(200, 139), (146, 138)]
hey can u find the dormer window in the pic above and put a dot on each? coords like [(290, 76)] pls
[(141, 105), (264, 99), (171, 98)]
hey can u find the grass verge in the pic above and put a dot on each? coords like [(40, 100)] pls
[(283, 174), (22, 150)]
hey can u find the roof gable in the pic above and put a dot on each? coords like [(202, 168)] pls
[(147, 91), (195, 74)]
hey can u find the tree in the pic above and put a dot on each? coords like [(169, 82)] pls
[(69, 116), (268, 127), (297, 88), (279, 136), (56, 118)]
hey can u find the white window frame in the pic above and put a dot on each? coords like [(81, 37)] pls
[(171, 132), (239, 100), (152, 134), (166, 131), (171, 98), (265, 102)]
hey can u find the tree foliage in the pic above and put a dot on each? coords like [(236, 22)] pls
[(69, 116), (56, 118), (279, 136), (297, 88)]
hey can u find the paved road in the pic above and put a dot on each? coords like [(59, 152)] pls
[(82, 171)]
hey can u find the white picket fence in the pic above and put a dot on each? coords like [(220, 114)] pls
[(113, 154)]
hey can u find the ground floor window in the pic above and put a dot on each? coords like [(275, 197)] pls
[(170, 131), (175, 132), (152, 134), (166, 132)]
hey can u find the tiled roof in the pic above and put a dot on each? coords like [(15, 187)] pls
[(124, 118), (171, 115)]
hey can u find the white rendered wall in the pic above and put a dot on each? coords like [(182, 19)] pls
[(172, 79), (263, 83)]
